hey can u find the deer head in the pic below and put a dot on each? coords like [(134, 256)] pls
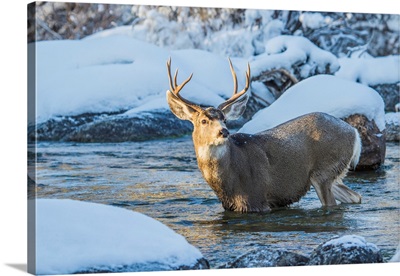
[(209, 123)]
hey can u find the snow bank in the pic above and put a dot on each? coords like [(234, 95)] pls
[(285, 51), (74, 236), (370, 71), (112, 72), (322, 93)]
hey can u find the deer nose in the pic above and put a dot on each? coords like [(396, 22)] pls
[(224, 132)]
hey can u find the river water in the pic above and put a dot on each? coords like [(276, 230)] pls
[(161, 179)]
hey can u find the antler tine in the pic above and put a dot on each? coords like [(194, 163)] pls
[(175, 88), (236, 95), (171, 85), (233, 76)]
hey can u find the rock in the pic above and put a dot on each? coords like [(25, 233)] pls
[(141, 127), (58, 128), (350, 249), (200, 264), (389, 93), (111, 128), (373, 142), (267, 258), (149, 267), (392, 127)]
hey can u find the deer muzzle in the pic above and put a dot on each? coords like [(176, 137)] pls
[(224, 133)]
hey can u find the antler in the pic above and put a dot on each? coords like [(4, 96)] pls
[(236, 95), (175, 88)]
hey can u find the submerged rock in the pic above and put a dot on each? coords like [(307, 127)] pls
[(350, 249), (373, 142), (267, 258)]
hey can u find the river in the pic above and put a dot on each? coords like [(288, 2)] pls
[(161, 179)]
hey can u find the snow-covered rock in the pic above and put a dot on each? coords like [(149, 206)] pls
[(349, 249), (338, 97), (364, 69), (102, 81), (322, 93), (267, 258), (296, 54), (78, 237)]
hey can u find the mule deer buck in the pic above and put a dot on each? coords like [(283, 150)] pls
[(275, 167)]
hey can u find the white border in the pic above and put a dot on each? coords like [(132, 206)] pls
[(13, 123)]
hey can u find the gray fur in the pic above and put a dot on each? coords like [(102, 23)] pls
[(276, 167), (273, 168)]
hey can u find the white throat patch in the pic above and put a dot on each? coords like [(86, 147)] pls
[(211, 152)]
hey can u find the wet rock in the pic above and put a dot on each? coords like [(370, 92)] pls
[(267, 258), (392, 127), (200, 264), (350, 249), (141, 127), (112, 128), (147, 267), (58, 128), (373, 142)]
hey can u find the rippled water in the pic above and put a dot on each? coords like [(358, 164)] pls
[(161, 180)]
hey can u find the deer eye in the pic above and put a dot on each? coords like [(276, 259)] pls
[(204, 121)]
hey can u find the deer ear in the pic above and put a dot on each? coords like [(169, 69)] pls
[(234, 110), (179, 108)]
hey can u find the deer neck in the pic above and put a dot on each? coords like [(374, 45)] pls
[(212, 161)]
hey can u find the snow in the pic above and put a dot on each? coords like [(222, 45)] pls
[(393, 118), (284, 51), (113, 71), (314, 20), (73, 236), (369, 70), (349, 241), (321, 93), (121, 74)]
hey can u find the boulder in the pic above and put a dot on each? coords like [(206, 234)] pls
[(373, 142), (349, 249), (149, 267), (267, 258), (392, 127), (111, 128)]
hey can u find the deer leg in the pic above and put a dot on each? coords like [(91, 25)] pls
[(324, 192), (344, 194)]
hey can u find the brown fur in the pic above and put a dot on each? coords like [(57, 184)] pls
[(276, 167)]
